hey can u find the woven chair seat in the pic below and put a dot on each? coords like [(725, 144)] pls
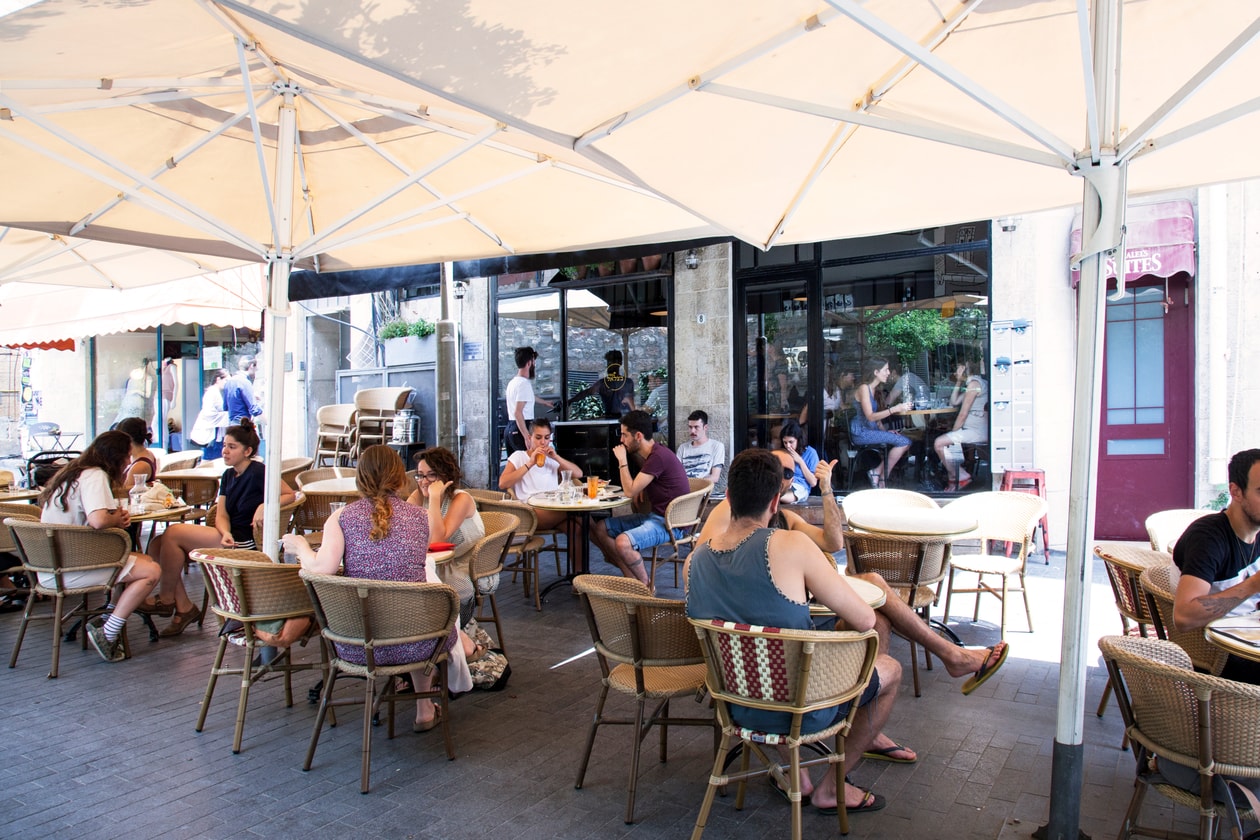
[(988, 564), (667, 681), (776, 738), (647, 650)]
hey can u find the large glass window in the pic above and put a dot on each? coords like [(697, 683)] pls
[(580, 327), (819, 317)]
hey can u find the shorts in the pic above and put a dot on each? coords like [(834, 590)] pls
[(962, 436), (89, 577), (645, 530), (800, 491), (764, 720)]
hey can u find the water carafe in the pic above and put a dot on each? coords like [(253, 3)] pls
[(137, 495)]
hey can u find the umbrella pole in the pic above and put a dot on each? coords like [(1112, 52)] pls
[(277, 317)]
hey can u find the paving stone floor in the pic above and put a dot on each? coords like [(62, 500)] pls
[(109, 750)]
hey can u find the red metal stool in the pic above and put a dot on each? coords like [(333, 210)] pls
[(1034, 482)]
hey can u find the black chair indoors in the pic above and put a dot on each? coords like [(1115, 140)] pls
[(42, 466)]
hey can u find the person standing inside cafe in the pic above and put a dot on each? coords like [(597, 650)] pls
[(661, 479), (750, 573), (520, 399), (1220, 563), (615, 388), (537, 470)]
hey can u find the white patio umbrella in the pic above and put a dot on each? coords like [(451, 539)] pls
[(199, 127), (777, 122)]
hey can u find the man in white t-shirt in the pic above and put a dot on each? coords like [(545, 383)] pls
[(701, 456), (523, 477), (520, 400)]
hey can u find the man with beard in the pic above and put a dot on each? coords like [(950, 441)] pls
[(1218, 561), (520, 400), (661, 479)]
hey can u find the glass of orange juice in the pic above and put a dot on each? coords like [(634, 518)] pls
[(592, 487)]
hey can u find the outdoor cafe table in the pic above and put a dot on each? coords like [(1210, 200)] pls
[(192, 473), (578, 527), (916, 522), (868, 592), (170, 514), (1237, 634), (19, 494), (345, 486)]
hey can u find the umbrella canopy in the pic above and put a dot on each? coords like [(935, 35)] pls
[(163, 123), (31, 313), (803, 120)]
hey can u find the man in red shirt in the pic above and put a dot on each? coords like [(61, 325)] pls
[(661, 479)]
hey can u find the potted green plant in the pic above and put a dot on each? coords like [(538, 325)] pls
[(408, 342)]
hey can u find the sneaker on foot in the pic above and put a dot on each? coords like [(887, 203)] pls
[(109, 651)]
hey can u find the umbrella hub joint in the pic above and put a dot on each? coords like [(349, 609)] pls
[(286, 87)]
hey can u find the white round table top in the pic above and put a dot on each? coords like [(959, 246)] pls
[(331, 485), (915, 522), (868, 592), (1238, 634), (552, 501), (162, 515), (196, 472), (18, 494)]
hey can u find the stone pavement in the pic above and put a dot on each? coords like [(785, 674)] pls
[(109, 750)]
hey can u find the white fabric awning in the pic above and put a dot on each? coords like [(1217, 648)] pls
[(31, 313)]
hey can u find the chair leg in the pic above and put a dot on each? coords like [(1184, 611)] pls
[(1027, 610), (794, 790), (369, 697), (330, 679), (637, 735), (56, 635), (719, 762), (26, 619), (214, 678), (590, 738), (247, 676), (949, 593), (914, 667)]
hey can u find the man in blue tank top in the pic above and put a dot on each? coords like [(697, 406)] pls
[(751, 573)]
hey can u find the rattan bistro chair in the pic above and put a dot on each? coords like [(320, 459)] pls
[(1165, 527), (373, 614), (1161, 592), (58, 550), (1125, 564), (305, 477), (683, 517), (1002, 516), (521, 555), (647, 651), (1203, 723), (791, 671), (485, 564), (248, 588), (10, 560), (913, 567)]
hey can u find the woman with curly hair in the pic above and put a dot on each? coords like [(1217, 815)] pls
[(82, 493), (453, 518), (239, 506), (381, 537)]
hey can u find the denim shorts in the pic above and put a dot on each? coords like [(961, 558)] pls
[(644, 529)]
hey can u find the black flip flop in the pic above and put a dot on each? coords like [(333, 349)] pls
[(870, 802), (987, 670), (886, 754)]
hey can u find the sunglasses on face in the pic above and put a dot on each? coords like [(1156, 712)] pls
[(789, 472)]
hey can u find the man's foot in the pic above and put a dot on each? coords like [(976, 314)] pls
[(891, 751), (109, 651), (972, 660), (995, 657), (856, 800)]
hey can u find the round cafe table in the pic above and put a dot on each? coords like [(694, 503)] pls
[(1237, 634), (868, 592), (19, 494), (915, 522), (578, 527), (332, 485)]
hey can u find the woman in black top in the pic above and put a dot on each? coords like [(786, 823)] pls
[(239, 506)]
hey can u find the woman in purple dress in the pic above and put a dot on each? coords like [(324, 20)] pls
[(381, 537)]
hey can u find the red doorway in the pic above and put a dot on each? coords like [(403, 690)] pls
[(1146, 442)]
